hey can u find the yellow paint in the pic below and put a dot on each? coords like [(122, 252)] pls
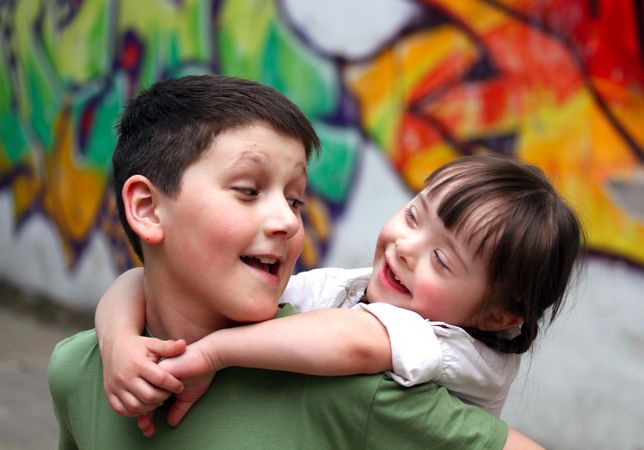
[(423, 163), (478, 15), (310, 256), (383, 86), (25, 193), (627, 105), (72, 193), (580, 151), (317, 213)]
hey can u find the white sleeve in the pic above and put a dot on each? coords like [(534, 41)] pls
[(328, 287), (415, 351), (424, 351), (303, 291), (475, 372)]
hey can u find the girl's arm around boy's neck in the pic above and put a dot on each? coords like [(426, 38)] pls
[(133, 381), (327, 342), (121, 310), (517, 441)]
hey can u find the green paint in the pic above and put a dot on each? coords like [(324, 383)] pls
[(241, 36), (330, 175), (42, 102), (299, 74), (103, 136), (14, 140), (82, 50), (261, 48)]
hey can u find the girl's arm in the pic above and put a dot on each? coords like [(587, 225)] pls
[(517, 441), (330, 342), (323, 342), (133, 381)]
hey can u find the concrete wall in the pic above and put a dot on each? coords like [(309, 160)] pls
[(395, 88)]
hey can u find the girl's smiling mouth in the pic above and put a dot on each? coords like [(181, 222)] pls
[(389, 279)]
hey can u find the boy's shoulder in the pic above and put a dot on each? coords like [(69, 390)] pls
[(71, 358), (83, 341)]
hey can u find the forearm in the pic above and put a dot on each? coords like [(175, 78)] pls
[(323, 342), (517, 441), (121, 310)]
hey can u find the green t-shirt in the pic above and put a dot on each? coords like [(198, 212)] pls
[(260, 409)]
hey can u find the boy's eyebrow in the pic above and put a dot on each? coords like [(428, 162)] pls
[(451, 243), (258, 158), (304, 168), (249, 156)]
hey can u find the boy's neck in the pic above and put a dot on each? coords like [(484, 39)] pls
[(171, 314)]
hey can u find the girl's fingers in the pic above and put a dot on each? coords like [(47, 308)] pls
[(161, 379)]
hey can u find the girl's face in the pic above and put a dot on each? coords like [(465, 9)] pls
[(421, 266)]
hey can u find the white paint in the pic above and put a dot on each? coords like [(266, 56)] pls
[(33, 259), (377, 195), (352, 29)]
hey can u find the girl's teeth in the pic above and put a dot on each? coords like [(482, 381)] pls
[(267, 260)]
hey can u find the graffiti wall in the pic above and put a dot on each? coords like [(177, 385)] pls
[(395, 88), (556, 83)]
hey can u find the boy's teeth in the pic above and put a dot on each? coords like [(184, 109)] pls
[(264, 260)]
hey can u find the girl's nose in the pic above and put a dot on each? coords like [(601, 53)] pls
[(403, 252)]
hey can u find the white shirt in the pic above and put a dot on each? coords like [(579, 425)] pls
[(421, 350)]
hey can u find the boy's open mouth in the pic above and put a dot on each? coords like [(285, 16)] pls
[(270, 265)]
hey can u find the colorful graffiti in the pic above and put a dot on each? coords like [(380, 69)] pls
[(558, 83)]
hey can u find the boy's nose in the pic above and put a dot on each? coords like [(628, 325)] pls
[(282, 220)]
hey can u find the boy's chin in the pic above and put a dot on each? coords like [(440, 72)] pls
[(260, 314)]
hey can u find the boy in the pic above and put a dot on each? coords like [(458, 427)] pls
[(210, 173)]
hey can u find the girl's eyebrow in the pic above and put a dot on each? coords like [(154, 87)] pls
[(455, 248)]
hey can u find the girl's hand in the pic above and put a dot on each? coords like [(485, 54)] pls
[(133, 381), (194, 388), (196, 368)]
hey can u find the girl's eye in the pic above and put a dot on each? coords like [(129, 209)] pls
[(247, 191), (438, 260), (409, 214)]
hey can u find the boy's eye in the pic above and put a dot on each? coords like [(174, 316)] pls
[(247, 191), (295, 203)]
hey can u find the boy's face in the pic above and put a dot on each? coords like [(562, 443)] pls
[(233, 232), (421, 266)]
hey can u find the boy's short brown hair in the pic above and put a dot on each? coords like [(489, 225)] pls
[(167, 127)]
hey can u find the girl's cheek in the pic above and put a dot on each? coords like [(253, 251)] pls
[(428, 298)]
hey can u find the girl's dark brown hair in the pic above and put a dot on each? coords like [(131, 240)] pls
[(527, 233)]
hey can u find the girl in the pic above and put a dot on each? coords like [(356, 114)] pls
[(462, 278)]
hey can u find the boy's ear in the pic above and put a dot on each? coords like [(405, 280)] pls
[(498, 320), (140, 199)]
